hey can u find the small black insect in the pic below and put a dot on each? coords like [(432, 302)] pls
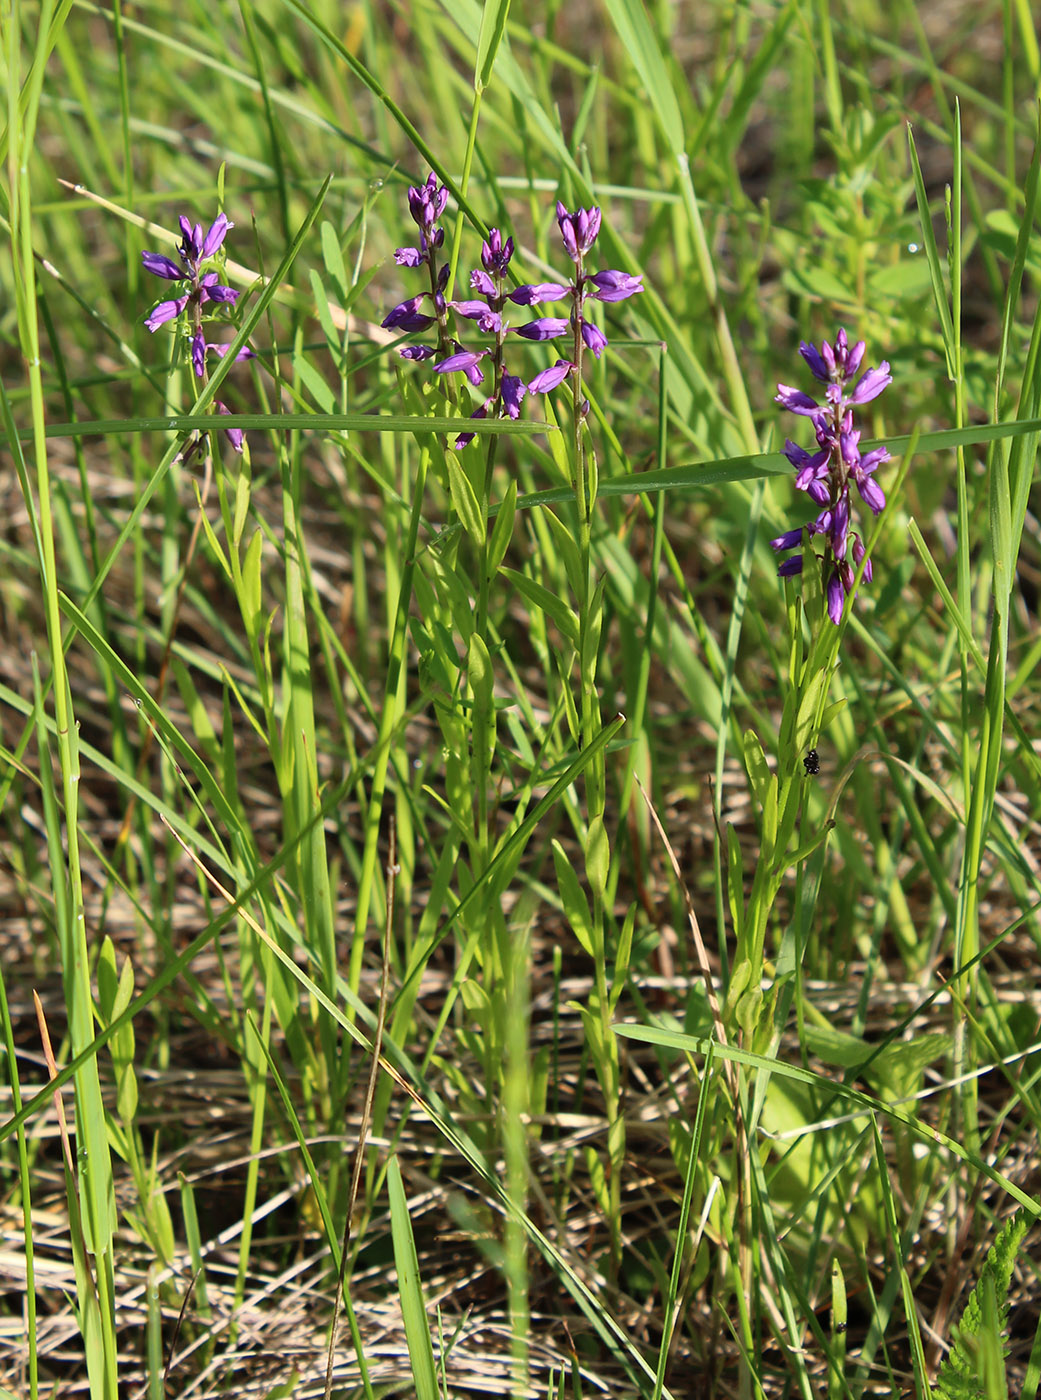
[(812, 763)]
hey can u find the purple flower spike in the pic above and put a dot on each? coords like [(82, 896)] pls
[(550, 378), (203, 289), (615, 286), (826, 475), (545, 328)]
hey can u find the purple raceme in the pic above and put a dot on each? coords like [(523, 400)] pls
[(578, 232), (486, 308), (426, 205), (198, 288), (825, 475)]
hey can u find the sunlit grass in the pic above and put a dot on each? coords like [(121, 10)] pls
[(412, 849)]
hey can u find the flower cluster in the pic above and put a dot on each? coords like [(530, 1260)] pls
[(198, 288), (487, 309), (825, 475)]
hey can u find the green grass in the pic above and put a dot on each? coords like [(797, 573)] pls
[(439, 950)]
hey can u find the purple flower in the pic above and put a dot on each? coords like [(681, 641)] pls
[(221, 350), (870, 384), (826, 475), (465, 439), (549, 378), (194, 249), (836, 595), (594, 338), (535, 292), (615, 286), (789, 539), (489, 321), (417, 352), (406, 316), (513, 390), (465, 360), (165, 311), (427, 203), (545, 328), (215, 237), (796, 401), (495, 254), (162, 266), (578, 230), (234, 435), (201, 289), (211, 290)]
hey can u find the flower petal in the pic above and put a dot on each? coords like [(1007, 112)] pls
[(545, 328), (162, 266), (615, 286), (549, 378)]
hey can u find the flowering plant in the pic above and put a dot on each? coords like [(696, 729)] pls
[(488, 307), (199, 289), (825, 475)]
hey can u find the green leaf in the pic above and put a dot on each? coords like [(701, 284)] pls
[(413, 1309), (933, 257), (576, 907), (549, 603), (464, 499), (314, 384), (758, 769), (502, 531), (493, 26), (630, 19), (984, 1318), (249, 597), (332, 256)]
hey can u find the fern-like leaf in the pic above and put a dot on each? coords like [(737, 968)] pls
[(979, 1335)]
